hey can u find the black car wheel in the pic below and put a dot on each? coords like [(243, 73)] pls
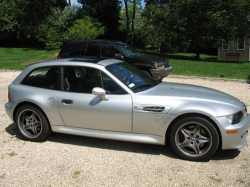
[(194, 138), (32, 123)]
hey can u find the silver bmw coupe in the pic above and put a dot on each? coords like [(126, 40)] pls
[(112, 99)]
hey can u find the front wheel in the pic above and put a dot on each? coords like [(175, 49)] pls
[(194, 138), (32, 123)]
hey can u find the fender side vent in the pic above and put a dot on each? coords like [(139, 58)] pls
[(153, 109)]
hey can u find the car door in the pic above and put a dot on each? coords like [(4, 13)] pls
[(81, 109)]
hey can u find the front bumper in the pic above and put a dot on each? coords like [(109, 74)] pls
[(159, 74), (235, 140)]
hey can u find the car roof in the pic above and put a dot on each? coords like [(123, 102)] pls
[(97, 41), (77, 61)]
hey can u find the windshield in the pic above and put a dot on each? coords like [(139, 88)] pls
[(132, 77), (127, 50)]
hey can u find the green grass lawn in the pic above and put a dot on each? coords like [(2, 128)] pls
[(20, 58), (185, 64)]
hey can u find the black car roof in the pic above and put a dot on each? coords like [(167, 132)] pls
[(98, 41)]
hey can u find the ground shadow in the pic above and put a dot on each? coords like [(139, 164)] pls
[(192, 58), (248, 78), (120, 145), (177, 57)]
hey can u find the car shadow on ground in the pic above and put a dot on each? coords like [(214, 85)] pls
[(120, 145)]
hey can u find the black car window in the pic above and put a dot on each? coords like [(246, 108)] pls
[(82, 50), (81, 79), (48, 78), (92, 51), (70, 50), (111, 86), (108, 51), (126, 49)]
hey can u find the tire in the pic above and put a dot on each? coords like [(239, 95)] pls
[(32, 124), (194, 138)]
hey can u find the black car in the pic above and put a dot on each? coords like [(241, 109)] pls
[(153, 66)]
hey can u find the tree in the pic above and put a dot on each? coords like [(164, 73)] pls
[(58, 21), (199, 24), (85, 29), (127, 20), (155, 21), (8, 19), (106, 12), (134, 23), (53, 39), (131, 8)]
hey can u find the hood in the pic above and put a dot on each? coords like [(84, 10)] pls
[(149, 58), (191, 91)]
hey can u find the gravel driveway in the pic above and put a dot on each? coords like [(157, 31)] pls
[(65, 160)]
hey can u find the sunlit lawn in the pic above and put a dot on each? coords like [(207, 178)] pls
[(185, 64), (20, 58)]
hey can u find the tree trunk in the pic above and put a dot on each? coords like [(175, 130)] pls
[(198, 55), (133, 19), (127, 16), (69, 3)]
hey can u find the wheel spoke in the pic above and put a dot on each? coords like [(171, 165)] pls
[(196, 148), (197, 130), (27, 119), (186, 133), (185, 143), (204, 141), (28, 127), (33, 129), (32, 117)]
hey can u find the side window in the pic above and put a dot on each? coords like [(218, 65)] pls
[(82, 51), (80, 79), (70, 50), (108, 51), (111, 86), (48, 78), (93, 50)]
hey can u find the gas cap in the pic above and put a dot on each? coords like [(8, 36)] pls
[(51, 102)]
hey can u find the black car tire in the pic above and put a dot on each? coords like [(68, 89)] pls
[(194, 138), (32, 124)]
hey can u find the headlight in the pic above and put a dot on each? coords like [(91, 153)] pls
[(159, 65), (235, 118)]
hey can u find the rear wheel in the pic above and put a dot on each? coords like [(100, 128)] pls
[(32, 123), (194, 138)]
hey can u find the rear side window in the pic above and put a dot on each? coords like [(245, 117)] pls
[(70, 50), (93, 50), (48, 78), (82, 51)]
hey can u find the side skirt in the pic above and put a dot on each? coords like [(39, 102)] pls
[(130, 137)]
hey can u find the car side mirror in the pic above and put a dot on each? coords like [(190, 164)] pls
[(119, 56), (101, 92)]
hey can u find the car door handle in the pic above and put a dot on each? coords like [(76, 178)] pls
[(67, 101)]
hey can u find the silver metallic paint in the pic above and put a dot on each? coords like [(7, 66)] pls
[(130, 137), (89, 111), (115, 118)]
